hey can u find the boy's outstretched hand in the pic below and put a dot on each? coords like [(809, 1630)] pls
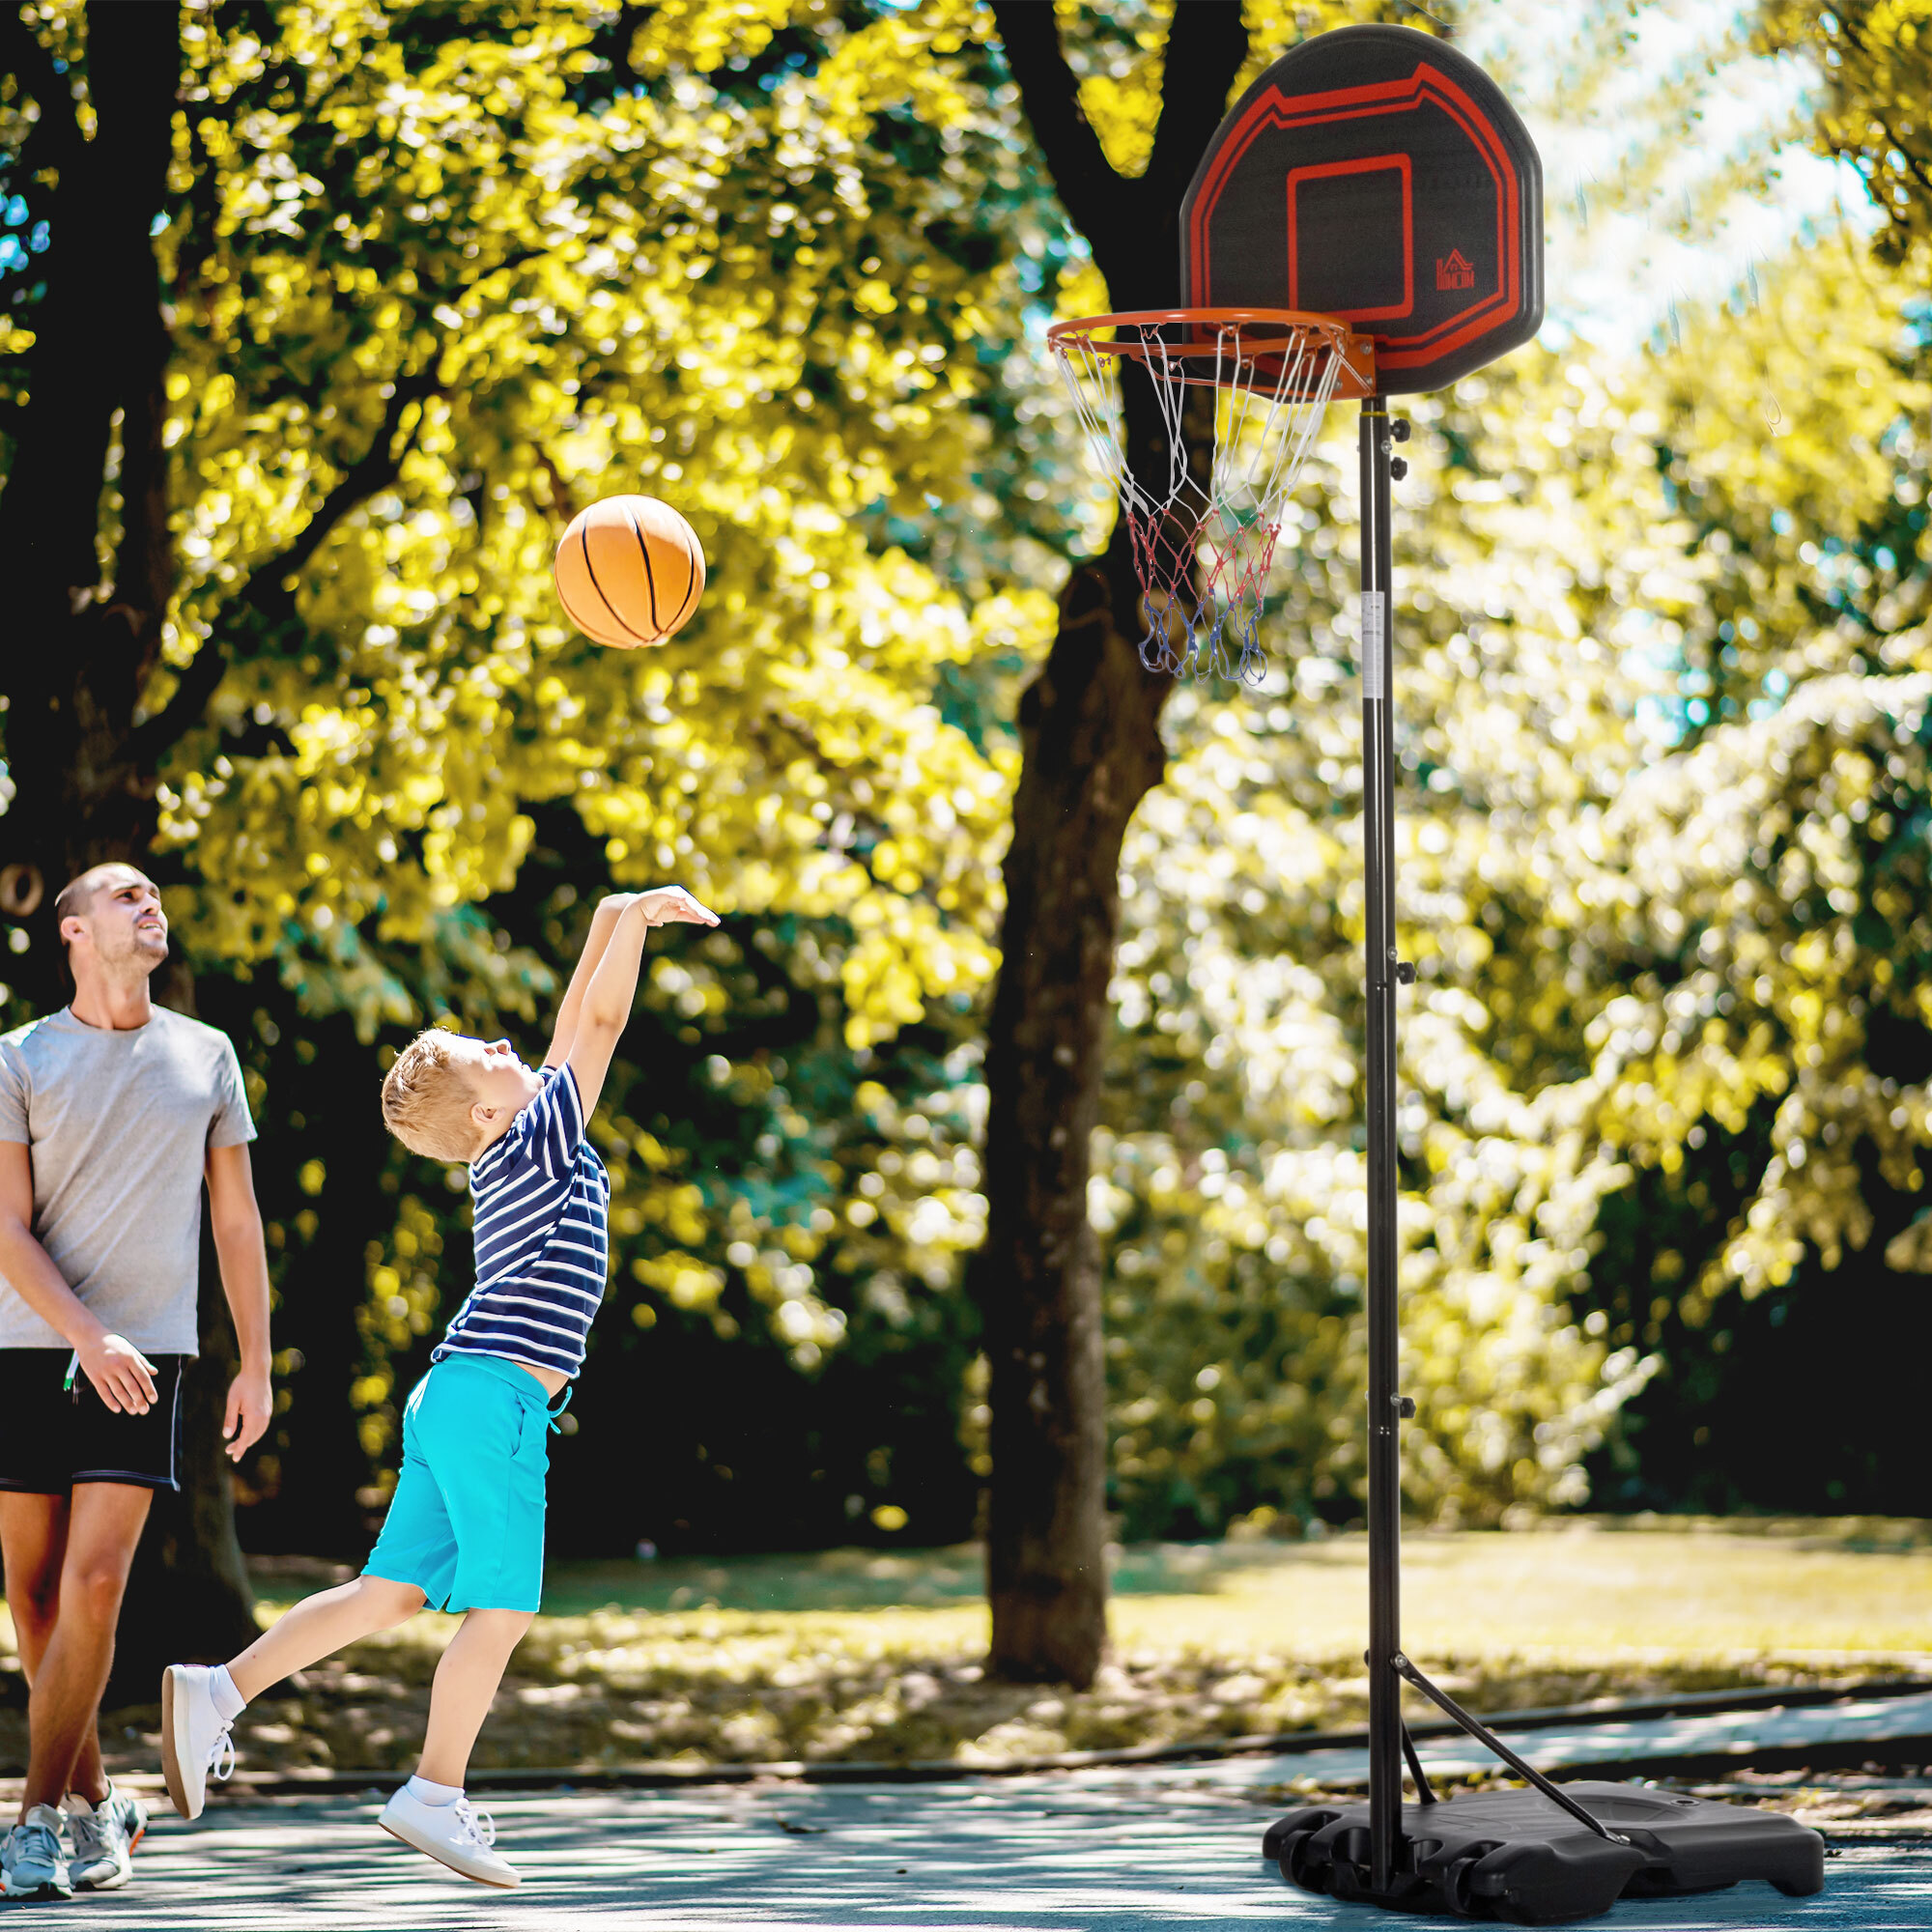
[(601, 990), (672, 905)]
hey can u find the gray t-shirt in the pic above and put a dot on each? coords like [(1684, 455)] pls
[(119, 1124)]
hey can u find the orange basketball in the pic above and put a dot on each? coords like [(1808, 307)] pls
[(628, 571)]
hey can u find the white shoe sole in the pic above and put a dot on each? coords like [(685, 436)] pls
[(116, 1878), (47, 1892), (430, 1849), (171, 1764)]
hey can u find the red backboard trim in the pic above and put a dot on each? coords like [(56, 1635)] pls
[(1427, 84), (1368, 164)]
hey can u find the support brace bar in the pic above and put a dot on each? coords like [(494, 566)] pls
[(1425, 1793), (1488, 1740)]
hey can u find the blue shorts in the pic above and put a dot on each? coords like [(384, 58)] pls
[(467, 1523)]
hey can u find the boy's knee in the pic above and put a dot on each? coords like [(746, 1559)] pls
[(507, 1625), (395, 1602)]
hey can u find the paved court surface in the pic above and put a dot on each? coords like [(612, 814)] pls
[(1068, 1852), (1095, 1851)]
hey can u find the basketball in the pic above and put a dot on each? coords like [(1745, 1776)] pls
[(628, 571)]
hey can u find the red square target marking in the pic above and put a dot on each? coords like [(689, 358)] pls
[(1354, 238)]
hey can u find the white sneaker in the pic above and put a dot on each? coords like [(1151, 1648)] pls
[(32, 1865), (196, 1743), (458, 1835), (105, 1837)]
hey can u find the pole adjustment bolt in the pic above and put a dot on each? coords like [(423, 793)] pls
[(1400, 429), (1405, 972), (1403, 1406), (1398, 469)]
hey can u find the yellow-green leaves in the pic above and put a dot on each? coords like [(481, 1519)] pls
[(1877, 113), (598, 288), (1661, 701)]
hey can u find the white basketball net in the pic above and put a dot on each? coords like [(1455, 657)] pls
[(1202, 553)]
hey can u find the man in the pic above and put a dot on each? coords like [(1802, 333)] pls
[(112, 1114)]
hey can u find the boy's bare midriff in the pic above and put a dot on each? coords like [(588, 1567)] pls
[(552, 1380)]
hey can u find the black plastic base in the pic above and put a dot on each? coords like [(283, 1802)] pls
[(1515, 1857)]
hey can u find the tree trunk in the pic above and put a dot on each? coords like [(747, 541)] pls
[(315, 1510), (102, 347), (1090, 731)]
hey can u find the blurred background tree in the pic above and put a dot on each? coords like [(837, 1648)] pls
[(1875, 107), (424, 280), (427, 290)]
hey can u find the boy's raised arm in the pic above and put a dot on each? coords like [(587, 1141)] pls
[(606, 1006), (603, 923)]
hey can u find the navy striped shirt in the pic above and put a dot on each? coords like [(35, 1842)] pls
[(542, 1210)]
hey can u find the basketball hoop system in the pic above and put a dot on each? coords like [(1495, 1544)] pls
[(1378, 177), (1202, 547)]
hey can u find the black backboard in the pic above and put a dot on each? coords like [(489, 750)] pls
[(1376, 174)]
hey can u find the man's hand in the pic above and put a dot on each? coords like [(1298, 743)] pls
[(122, 1376), (251, 1407), (672, 905)]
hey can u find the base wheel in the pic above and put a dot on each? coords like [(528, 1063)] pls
[(1455, 1883), (1299, 1867)]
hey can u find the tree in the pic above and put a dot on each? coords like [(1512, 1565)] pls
[(82, 749), (430, 289), (1776, 1011), (1091, 752), (1876, 110)]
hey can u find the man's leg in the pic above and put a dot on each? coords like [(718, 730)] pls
[(465, 1683), (103, 1525), (33, 1542)]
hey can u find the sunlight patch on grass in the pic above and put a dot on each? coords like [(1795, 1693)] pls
[(875, 1657)]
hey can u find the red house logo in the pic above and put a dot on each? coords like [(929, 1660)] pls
[(1453, 271)]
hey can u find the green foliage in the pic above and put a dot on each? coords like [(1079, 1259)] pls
[(772, 268), (1662, 703), (675, 291), (1663, 679), (1241, 988), (1877, 109)]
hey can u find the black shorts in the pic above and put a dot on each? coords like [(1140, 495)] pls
[(52, 1438)]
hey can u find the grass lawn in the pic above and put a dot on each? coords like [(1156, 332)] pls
[(862, 1654)]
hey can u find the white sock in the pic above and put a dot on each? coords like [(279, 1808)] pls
[(432, 1794), (229, 1702)]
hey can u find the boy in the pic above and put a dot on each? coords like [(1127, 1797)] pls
[(465, 1529)]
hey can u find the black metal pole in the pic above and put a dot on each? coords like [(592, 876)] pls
[(1378, 874)]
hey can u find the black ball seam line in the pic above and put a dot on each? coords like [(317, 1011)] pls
[(590, 570), (689, 590), (650, 575), (590, 629)]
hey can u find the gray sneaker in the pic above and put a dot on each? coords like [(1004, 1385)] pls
[(31, 1865), (105, 1837)]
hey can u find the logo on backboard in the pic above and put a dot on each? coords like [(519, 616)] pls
[(1454, 271)]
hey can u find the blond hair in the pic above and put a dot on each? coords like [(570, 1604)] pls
[(426, 1100)]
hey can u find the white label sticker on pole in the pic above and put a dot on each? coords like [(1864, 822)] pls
[(1375, 644)]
